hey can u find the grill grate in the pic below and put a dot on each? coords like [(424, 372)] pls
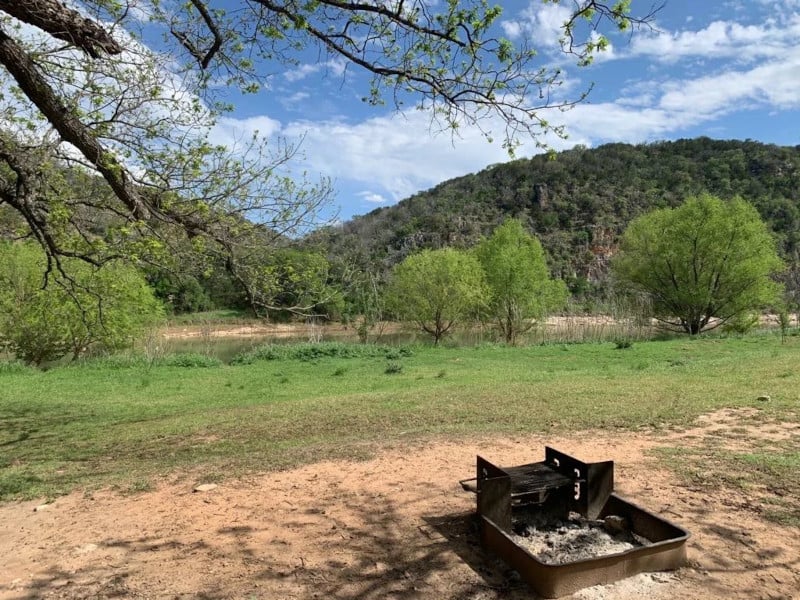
[(536, 478)]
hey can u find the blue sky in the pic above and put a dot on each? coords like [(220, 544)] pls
[(727, 69)]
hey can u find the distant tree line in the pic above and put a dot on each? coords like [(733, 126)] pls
[(453, 254), (578, 204)]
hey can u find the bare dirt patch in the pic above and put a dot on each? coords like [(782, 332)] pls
[(397, 526), (738, 428)]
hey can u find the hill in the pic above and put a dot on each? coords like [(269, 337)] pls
[(578, 203)]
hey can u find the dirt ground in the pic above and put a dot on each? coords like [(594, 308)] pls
[(397, 526)]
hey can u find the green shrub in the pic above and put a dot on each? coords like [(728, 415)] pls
[(76, 308), (741, 324), (14, 367), (114, 361)]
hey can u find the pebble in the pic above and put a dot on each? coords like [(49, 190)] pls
[(204, 487)]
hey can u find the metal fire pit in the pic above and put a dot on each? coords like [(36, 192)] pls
[(556, 487)]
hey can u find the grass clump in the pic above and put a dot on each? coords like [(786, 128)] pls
[(310, 352), (393, 368), (15, 367), (114, 362), (189, 360), (139, 361)]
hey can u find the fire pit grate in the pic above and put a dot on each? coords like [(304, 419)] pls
[(535, 477), (561, 493)]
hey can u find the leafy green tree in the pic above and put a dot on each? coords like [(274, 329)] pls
[(702, 264), (45, 319), (181, 293), (437, 289), (521, 290)]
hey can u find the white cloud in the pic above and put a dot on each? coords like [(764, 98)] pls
[(589, 124), (333, 66), (775, 84), (780, 5), (657, 110), (513, 29), (397, 153), (294, 102), (720, 39), (301, 72), (373, 197), (236, 133), (543, 24)]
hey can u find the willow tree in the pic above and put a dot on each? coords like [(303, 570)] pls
[(521, 290), (437, 289), (83, 91), (701, 264)]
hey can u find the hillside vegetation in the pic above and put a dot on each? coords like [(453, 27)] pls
[(578, 203)]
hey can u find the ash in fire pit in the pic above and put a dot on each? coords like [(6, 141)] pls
[(561, 526), (556, 542)]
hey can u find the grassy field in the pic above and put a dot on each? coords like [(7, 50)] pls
[(124, 423)]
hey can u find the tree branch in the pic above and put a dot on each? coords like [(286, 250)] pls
[(203, 57), (63, 23), (21, 66)]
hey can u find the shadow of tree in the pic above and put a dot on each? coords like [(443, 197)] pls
[(389, 557), (61, 583)]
